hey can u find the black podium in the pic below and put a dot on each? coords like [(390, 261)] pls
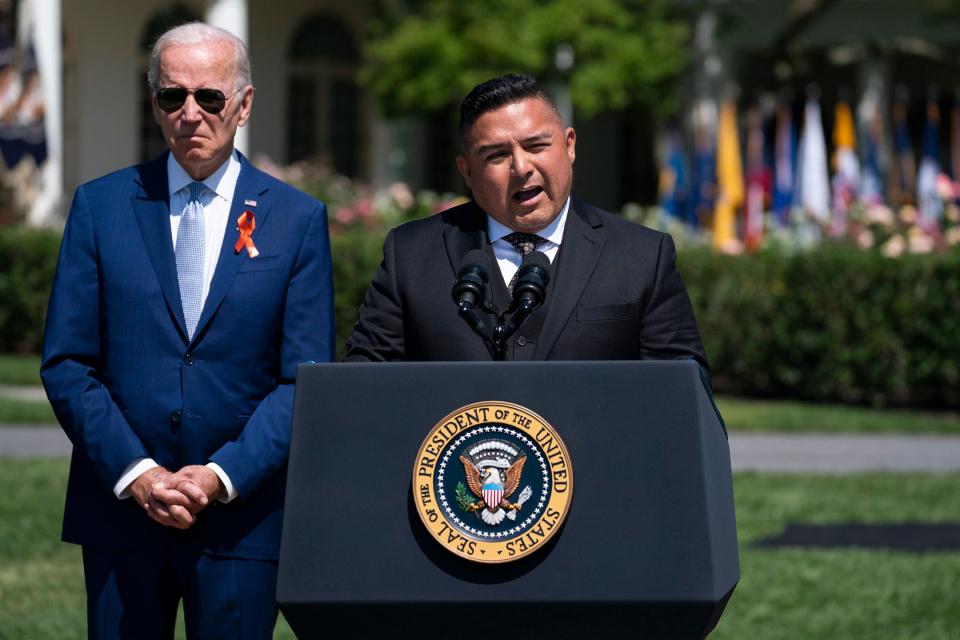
[(648, 549)]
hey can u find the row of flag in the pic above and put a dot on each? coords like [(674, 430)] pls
[(22, 117), (791, 171)]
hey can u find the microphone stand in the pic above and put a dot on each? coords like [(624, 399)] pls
[(495, 340), (528, 294), (479, 327), (505, 330)]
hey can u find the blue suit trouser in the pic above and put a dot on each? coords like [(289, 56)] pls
[(135, 594)]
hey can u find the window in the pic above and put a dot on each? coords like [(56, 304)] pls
[(323, 100)]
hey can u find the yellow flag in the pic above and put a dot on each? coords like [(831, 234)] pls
[(729, 177), (843, 131), (844, 134)]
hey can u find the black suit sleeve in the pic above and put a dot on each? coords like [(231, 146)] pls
[(668, 328), (378, 335)]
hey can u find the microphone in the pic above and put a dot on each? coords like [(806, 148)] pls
[(528, 293), (469, 294), (470, 288), (531, 287)]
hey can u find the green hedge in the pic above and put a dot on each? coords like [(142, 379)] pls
[(832, 324), (355, 260), (28, 258)]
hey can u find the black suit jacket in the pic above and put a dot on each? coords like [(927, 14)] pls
[(615, 294)]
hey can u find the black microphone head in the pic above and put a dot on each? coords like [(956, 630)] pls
[(476, 259), (536, 259), (471, 279), (532, 278)]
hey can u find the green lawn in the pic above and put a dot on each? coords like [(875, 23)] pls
[(785, 416), (22, 370), (25, 412), (849, 594), (41, 579), (19, 369), (782, 595)]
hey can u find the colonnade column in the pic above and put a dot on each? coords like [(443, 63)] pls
[(232, 16), (41, 18)]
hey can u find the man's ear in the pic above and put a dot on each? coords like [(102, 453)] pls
[(571, 140), (464, 168), (246, 105)]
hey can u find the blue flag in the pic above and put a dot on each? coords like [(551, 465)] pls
[(784, 167), (674, 182)]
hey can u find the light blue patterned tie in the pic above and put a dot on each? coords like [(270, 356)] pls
[(189, 252)]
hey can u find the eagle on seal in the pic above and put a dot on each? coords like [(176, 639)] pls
[(493, 484)]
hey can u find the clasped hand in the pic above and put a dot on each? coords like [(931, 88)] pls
[(175, 499)]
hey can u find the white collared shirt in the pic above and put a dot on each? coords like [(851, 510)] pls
[(221, 185), (508, 258)]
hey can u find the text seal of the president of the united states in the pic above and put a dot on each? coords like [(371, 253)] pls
[(492, 482)]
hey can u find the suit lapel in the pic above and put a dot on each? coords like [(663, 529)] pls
[(152, 209), (583, 240), (250, 186), (465, 233)]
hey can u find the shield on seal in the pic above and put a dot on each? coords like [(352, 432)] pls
[(492, 494)]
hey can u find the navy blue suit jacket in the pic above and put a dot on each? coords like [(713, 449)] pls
[(125, 382)]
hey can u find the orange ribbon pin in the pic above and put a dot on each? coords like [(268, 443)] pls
[(245, 225)]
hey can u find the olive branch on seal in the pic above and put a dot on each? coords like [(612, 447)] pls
[(464, 501)]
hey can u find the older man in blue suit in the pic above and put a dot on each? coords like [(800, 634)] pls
[(188, 290)]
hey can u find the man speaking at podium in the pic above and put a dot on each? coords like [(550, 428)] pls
[(613, 291)]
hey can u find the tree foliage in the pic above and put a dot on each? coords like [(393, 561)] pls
[(428, 59)]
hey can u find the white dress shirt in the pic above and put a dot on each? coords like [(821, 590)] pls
[(216, 201), (508, 258)]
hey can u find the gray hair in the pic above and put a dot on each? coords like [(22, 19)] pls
[(194, 34)]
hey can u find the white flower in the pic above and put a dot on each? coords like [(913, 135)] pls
[(953, 236), (879, 214), (919, 242), (732, 247), (908, 214), (952, 213), (401, 194), (893, 247), (946, 189)]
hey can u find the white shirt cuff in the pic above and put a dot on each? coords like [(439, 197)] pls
[(133, 471), (225, 479)]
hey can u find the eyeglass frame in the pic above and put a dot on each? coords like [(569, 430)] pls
[(218, 95)]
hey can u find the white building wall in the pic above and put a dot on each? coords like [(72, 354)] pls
[(102, 46)]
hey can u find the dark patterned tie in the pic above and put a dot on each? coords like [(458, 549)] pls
[(524, 243)]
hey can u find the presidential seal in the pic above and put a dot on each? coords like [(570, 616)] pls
[(492, 482)]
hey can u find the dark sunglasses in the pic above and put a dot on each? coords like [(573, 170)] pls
[(210, 100)]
